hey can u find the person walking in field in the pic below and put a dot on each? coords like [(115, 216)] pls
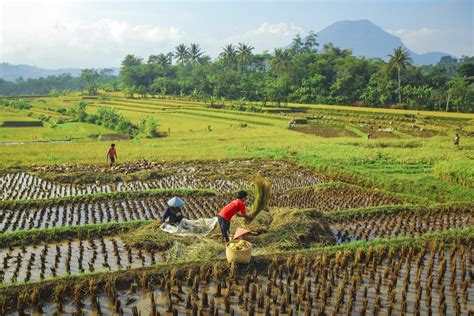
[(456, 140), (236, 207), (112, 155)]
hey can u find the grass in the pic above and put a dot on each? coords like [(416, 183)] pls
[(405, 166), (378, 210), (37, 236), (458, 171)]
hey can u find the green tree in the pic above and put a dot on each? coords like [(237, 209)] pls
[(244, 54), (297, 44), (229, 55), (131, 60), (182, 54), (78, 111), (195, 53), (311, 42), (399, 60), (281, 61), (89, 77), (458, 92)]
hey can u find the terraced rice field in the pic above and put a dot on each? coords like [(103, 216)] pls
[(405, 222), (327, 246), (67, 213), (432, 280), (35, 263)]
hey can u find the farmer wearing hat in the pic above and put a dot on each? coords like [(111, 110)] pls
[(173, 212), (236, 207)]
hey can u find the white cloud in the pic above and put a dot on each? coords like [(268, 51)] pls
[(268, 36), (454, 41), (52, 37)]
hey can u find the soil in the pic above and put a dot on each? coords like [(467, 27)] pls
[(375, 133), (324, 131)]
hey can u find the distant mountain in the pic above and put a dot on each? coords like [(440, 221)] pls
[(369, 40), (11, 72)]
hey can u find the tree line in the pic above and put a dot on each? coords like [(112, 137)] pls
[(304, 72)]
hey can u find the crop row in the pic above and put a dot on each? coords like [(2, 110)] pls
[(22, 186), (408, 222), (333, 197), (436, 278), (93, 210), (103, 211), (35, 263)]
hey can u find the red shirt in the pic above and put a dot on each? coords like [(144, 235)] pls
[(112, 152), (232, 208)]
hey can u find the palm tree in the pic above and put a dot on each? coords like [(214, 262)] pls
[(182, 54), (131, 60), (282, 60), (244, 52), (194, 53), (399, 60), (229, 54), (161, 59)]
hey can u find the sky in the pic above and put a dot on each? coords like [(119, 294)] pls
[(59, 34)]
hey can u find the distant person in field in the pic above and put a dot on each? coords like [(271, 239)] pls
[(456, 140), (236, 207), (112, 155), (174, 212)]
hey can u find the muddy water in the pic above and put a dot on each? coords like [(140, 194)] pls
[(141, 299), (79, 213), (111, 255), (21, 186), (401, 224)]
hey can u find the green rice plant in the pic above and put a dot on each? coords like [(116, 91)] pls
[(356, 131), (459, 171)]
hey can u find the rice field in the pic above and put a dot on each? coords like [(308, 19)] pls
[(357, 225)]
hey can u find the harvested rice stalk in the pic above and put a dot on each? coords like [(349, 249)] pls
[(263, 191)]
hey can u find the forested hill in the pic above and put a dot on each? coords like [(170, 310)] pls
[(13, 73)]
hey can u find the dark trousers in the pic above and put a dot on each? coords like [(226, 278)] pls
[(225, 227)]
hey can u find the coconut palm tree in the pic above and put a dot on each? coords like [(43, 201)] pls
[(164, 60), (399, 60), (181, 54), (282, 60), (244, 52), (229, 54), (194, 53)]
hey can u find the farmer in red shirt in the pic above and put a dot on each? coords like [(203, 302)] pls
[(233, 208), (112, 154)]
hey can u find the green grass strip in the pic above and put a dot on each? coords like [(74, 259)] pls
[(56, 234), (356, 131), (108, 195), (393, 209), (449, 235)]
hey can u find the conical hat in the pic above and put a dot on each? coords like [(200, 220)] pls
[(175, 202)]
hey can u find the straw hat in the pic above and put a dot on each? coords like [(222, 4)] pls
[(175, 202)]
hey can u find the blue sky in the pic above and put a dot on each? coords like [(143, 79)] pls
[(85, 33)]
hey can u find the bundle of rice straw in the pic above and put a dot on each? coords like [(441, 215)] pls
[(263, 191)]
